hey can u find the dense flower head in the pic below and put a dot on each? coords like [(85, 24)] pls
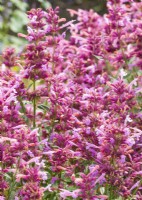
[(31, 191), (70, 116), (9, 57)]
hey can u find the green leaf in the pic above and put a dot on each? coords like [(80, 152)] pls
[(43, 107), (18, 20), (19, 4), (102, 190), (119, 198), (45, 4), (8, 177), (98, 57), (1, 8)]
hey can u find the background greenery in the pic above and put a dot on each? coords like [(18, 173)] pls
[(13, 16)]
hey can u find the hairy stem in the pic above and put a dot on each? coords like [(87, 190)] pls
[(34, 104)]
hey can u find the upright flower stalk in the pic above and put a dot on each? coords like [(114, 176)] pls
[(34, 104)]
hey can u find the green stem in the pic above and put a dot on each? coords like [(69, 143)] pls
[(59, 176), (12, 189), (53, 53), (110, 194), (34, 104), (22, 105)]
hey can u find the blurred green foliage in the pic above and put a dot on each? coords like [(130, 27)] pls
[(13, 18)]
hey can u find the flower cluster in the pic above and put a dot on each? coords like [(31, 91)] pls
[(70, 113)]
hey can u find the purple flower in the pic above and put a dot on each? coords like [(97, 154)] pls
[(71, 116), (9, 57), (1, 152)]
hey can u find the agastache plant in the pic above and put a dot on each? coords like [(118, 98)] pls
[(70, 107)]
